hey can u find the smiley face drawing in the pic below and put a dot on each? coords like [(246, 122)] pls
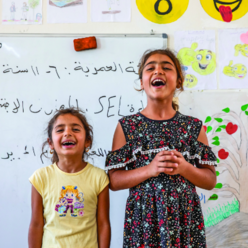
[(238, 71), (225, 10), (162, 11), (190, 81), (241, 48), (203, 61)]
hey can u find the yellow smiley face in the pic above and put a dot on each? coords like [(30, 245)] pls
[(225, 10), (162, 11)]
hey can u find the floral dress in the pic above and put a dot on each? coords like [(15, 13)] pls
[(163, 211)]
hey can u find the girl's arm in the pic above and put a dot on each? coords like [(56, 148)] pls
[(124, 179), (103, 224), (37, 220)]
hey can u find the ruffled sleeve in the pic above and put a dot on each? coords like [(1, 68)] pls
[(121, 157), (201, 154)]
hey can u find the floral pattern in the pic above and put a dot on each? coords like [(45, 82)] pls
[(162, 211)]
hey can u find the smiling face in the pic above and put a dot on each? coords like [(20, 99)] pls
[(190, 81), (162, 11), (205, 62), (225, 10), (240, 71), (68, 136), (159, 78)]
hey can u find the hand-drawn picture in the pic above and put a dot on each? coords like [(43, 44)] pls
[(227, 133), (196, 52), (111, 10), (225, 10), (67, 11), (238, 71), (22, 12), (64, 3), (233, 47), (190, 81), (70, 200), (162, 11), (225, 120), (203, 61)]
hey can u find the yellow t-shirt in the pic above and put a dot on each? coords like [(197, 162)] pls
[(70, 205)]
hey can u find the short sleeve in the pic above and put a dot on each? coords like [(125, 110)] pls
[(37, 182), (202, 154), (103, 181), (120, 158), (196, 128)]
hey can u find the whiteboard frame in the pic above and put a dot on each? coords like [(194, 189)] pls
[(49, 35)]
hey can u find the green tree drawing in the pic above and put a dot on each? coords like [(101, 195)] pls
[(33, 4), (232, 153)]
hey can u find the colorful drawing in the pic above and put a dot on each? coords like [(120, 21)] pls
[(225, 10), (190, 81), (238, 71), (25, 9), (64, 3), (228, 135), (70, 199), (12, 11), (203, 61), (241, 48), (162, 11)]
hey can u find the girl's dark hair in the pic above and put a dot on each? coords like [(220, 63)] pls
[(180, 75), (75, 112)]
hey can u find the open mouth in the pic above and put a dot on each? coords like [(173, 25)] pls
[(240, 76), (227, 8), (203, 66), (68, 144), (158, 83)]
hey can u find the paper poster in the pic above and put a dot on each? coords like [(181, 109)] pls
[(111, 10), (22, 12), (196, 51), (233, 59), (67, 11), (161, 12), (225, 10), (225, 120)]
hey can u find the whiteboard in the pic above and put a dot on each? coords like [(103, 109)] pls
[(41, 74)]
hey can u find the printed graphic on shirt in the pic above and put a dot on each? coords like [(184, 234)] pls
[(70, 202)]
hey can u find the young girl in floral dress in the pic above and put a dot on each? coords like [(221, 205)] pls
[(160, 155)]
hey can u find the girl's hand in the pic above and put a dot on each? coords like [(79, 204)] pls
[(164, 162), (168, 162)]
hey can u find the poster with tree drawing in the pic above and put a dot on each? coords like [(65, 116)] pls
[(233, 58), (111, 10), (22, 12), (225, 120), (196, 51)]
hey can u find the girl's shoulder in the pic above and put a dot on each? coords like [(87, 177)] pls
[(45, 171)]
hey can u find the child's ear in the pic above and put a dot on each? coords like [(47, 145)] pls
[(50, 143), (179, 83), (87, 143), (141, 84)]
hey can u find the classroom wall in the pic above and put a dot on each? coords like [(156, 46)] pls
[(195, 18)]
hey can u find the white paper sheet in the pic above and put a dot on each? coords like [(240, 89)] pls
[(225, 119), (196, 51), (233, 58), (21, 12), (111, 10), (67, 11)]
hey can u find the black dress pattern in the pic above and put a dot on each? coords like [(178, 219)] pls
[(162, 211)]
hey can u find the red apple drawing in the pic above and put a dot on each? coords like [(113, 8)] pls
[(205, 128), (231, 128), (223, 154)]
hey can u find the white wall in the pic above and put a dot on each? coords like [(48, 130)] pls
[(195, 18)]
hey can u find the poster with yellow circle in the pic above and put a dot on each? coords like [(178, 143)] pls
[(162, 11), (225, 10)]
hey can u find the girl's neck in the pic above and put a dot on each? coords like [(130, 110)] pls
[(159, 110), (71, 165)]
